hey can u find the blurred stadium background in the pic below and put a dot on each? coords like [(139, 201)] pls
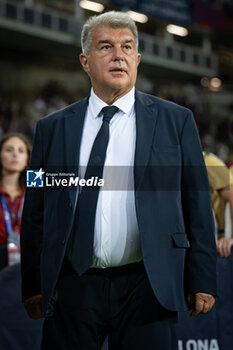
[(187, 57)]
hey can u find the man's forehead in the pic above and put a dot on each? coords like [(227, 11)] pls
[(103, 32)]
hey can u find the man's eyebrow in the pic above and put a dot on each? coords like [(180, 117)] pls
[(129, 41), (106, 41)]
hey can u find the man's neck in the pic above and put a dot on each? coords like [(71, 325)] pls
[(110, 97)]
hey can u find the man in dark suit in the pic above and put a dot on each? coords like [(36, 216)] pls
[(119, 263)]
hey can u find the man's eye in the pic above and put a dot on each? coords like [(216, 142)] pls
[(127, 47), (105, 47)]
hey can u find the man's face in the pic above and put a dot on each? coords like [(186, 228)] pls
[(112, 62)]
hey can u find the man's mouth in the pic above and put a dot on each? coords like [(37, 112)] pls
[(118, 70)]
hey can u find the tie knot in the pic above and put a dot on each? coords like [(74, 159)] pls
[(108, 112)]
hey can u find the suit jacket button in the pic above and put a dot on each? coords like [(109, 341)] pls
[(63, 242), (70, 205)]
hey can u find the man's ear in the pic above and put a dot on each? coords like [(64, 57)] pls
[(84, 62)]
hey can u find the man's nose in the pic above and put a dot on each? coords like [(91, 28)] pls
[(118, 53)]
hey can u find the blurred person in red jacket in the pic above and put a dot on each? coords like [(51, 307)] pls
[(15, 152)]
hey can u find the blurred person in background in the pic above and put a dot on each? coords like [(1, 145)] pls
[(15, 152), (221, 186)]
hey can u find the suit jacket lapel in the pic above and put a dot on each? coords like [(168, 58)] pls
[(146, 117), (73, 134)]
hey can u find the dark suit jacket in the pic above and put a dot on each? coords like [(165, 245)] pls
[(172, 202)]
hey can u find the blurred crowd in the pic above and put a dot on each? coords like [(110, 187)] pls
[(22, 116)]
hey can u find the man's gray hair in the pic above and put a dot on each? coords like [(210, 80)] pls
[(112, 19)]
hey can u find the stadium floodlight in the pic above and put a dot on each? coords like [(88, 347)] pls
[(91, 5), (138, 17), (177, 30), (215, 84), (205, 82)]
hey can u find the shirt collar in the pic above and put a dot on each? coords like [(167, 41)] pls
[(125, 103)]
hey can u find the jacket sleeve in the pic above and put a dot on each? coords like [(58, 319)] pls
[(198, 215), (32, 226)]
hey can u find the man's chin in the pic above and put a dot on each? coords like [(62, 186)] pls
[(119, 85)]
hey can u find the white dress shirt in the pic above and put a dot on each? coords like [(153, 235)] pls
[(116, 233)]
